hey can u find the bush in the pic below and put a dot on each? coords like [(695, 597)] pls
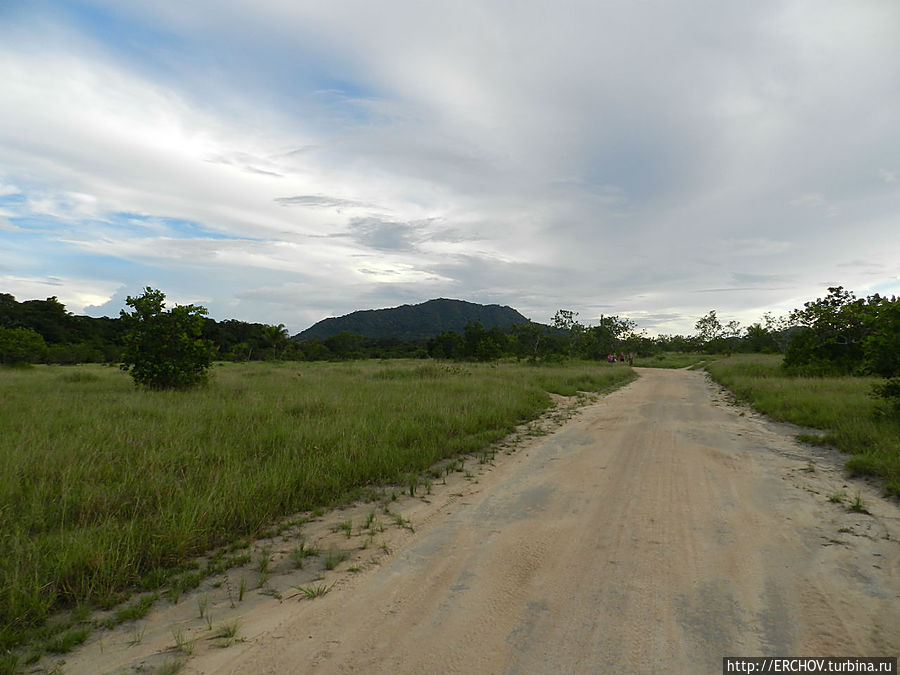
[(843, 334), (889, 390), (21, 345), (164, 349)]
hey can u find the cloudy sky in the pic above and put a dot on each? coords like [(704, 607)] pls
[(288, 160)]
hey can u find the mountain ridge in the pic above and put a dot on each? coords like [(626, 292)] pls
[(414, 322)]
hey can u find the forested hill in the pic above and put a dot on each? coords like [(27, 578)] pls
[(415, 322)]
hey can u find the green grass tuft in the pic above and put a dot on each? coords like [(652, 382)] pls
[(335, 558), (312, 592), (64, 643)]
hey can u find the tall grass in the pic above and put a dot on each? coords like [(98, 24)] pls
[(842, 407), (104, 487)]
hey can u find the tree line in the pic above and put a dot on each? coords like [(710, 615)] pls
[(43, 331), (837, 334)]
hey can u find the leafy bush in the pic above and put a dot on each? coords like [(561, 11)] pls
[(882, 345), (164, 349), (846, 335), (21, 345), (889, 390)]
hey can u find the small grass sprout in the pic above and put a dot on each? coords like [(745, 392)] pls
[(857, 505), (182, 644), (264, 559), (302, 552), (312, 592), (226, 633), (170, 667), (136, 637), (335, 558)]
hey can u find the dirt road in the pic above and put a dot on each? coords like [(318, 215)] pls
[(661, 528)]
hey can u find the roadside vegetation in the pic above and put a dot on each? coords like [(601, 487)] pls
[(106, 489), (840, 406)]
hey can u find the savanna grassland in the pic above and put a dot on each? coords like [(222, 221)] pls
[(842, 407), (106, 489)]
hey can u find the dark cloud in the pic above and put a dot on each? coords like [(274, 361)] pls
[(383, 235)]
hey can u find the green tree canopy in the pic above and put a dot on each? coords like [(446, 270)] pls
[(20, 345), (164, 349)]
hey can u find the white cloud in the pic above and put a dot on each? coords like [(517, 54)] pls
[(542, 156), (75, 294)]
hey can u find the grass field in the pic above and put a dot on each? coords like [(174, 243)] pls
[(842, 407), (105, 488)]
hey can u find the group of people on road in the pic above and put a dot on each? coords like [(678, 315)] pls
[(621, 357)]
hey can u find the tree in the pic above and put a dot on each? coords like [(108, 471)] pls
[(164, 349), (345, 345), (610, 336), (881, 346), (677, 343), (731, 335), (758, 339), (769, 335), (710, 329), (480, 344), (447, 345), (832, 337), (565, 320), (276, 337), (9, 311), (530, 341)]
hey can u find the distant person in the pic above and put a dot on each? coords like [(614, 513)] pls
[(630, 358)]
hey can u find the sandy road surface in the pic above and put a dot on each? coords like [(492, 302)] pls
[(659, 528)]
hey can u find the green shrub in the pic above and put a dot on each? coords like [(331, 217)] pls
[(164, 349), (889, 390)]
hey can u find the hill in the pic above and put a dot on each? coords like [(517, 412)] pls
[(414, 322)]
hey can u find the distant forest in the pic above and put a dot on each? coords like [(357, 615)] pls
[(837, 333), (43, 331)]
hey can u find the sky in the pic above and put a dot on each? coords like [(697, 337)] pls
[(285, 161)]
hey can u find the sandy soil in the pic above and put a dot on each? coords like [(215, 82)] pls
[(661, 527)]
